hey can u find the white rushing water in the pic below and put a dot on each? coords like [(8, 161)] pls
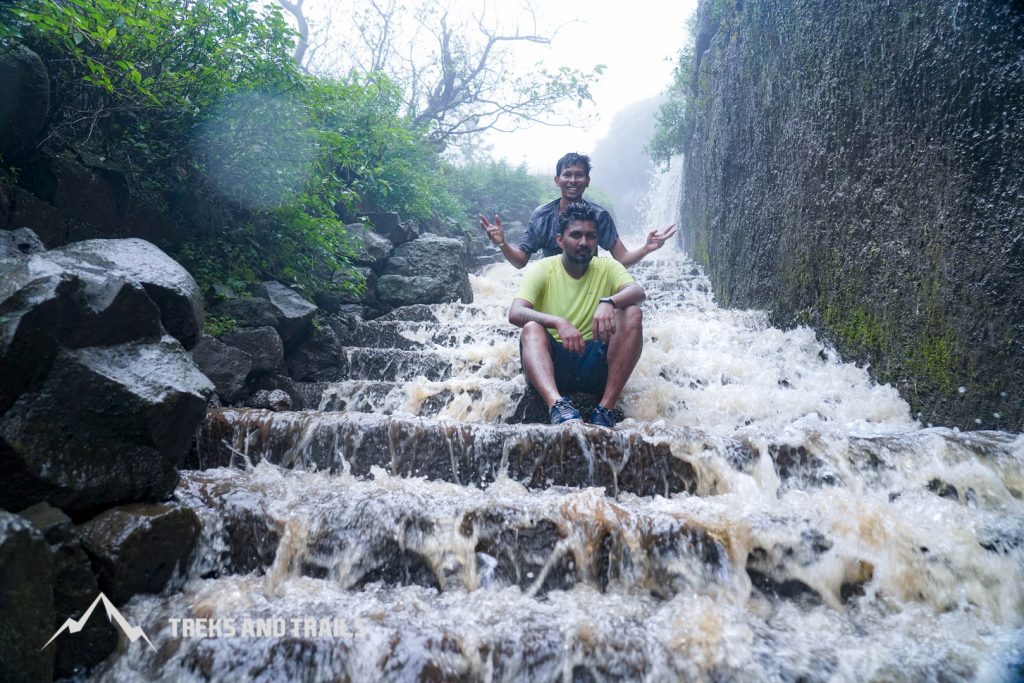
[(830, 536)]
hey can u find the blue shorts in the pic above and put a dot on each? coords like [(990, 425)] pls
[(579, 372)]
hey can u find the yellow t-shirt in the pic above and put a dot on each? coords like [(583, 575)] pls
[(551, 290)]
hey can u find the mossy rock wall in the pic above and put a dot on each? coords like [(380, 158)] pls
[(859, 167)]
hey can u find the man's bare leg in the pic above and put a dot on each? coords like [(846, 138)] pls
[(624, 351), (537, 362)]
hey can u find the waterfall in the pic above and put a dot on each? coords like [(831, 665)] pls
[(764, 512)]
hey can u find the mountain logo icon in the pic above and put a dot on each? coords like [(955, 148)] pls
[(76, 625)]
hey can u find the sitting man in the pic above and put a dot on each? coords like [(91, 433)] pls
[(572, 176), (591, 306)]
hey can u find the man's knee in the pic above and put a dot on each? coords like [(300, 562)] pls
[(631, 318), (533, 330)]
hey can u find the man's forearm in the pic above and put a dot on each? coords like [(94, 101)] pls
[(520, 315), (628, 258), (517, 257), (629, 295)]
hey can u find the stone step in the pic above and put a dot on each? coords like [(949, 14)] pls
[(413, 335), (640, 461), (410, 532), (464, 399), (397, 365)]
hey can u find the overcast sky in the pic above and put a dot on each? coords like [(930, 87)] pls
[(638, 41)]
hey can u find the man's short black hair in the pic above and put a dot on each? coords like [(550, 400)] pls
[(573, 159), (577, 211)]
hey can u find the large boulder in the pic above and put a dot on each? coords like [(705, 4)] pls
[(318, 358), (20, 242), (263, 344), (74, 591), (108, 425), (429, 269), (52, 300), (374, 248), (391, 226), (43, 218), (24, 101), (294, 314), (248, 312), (26, 602), (225, 365), (138, 548), (168, 284)]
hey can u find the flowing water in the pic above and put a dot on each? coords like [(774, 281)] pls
[(765, 512)]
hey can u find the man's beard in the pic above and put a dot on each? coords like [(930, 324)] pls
[(583, 259)]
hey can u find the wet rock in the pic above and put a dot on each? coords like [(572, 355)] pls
[(226, 366), (41, 217), (26, 602), (91, 196), (430, 269), (166, 282), (108, 425), (276, 400), (318, 358), (294, 314), (24, 101), (799, 467), (419, 313), (536, 455), (74, 591), (262, 344), (391, 226), (20, 242), (521, 552), (248, 312), (137, 548), (49, 301), (943, 489), (375, 247), (303, 395)]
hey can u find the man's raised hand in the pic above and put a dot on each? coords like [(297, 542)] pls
[(656, 240), (495, 232)]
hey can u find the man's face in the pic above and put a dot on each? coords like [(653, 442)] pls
[(572, 181), (579, 241)]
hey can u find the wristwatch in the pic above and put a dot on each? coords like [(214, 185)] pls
[(607, 300)]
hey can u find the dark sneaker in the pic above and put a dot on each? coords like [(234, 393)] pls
[(563, 410), (602, 417)]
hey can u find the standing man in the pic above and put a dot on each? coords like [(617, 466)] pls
[(572, 176), (581, 320)]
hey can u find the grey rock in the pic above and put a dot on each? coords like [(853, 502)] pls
[(263, 344), (259, 388), (294, 314), (391, 226), (374, 248), (248, 312), (20, 242), (52, 300), (168, 284), (24, 101), (26, 602), (226, 366), (43, 218), (137, 548), (275, 399), (74, 591), (430, 269), (107, 425), (318, 358)]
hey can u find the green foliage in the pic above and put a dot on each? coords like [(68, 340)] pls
[(498, 188), (675, 117), (218, 325)]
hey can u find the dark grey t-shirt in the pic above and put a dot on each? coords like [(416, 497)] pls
[(543, 228)]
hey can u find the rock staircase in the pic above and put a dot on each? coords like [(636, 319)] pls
[(429, 508)]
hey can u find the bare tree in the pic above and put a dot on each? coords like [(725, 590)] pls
[(459, 76)]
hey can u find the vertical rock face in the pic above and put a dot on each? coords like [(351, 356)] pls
[(859, 167)]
